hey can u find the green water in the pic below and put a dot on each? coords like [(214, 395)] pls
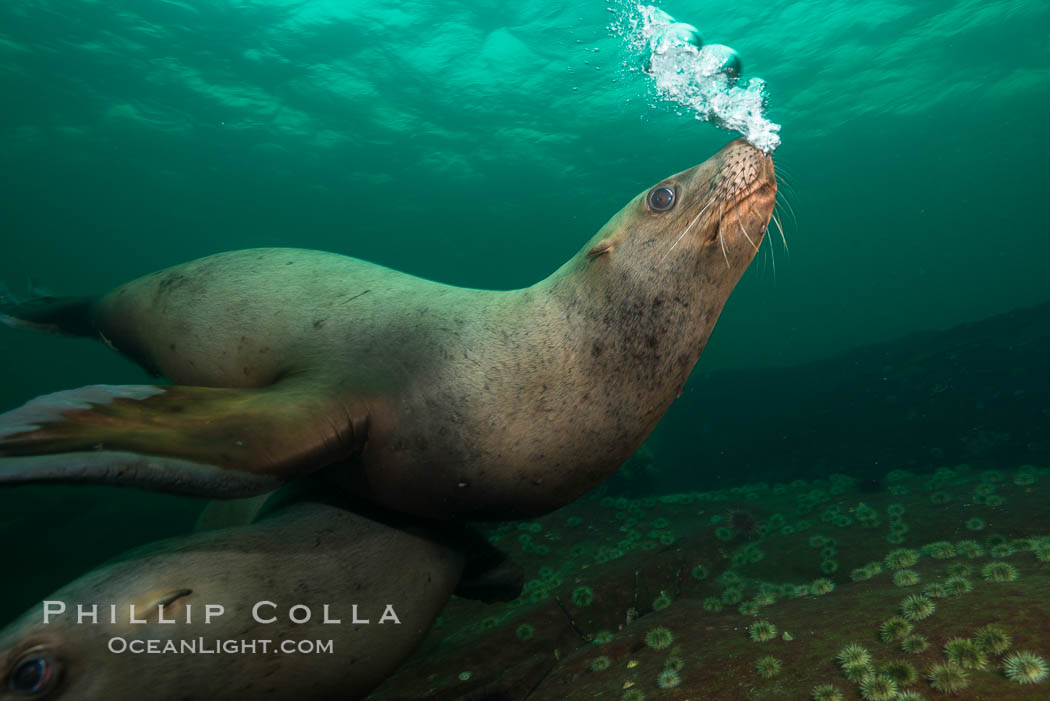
[(480, 144)]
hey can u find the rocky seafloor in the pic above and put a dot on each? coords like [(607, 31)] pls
[(934, 586)]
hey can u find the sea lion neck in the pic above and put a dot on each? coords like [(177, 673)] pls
[(635, 315)]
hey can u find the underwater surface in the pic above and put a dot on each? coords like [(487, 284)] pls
[(851, 489)]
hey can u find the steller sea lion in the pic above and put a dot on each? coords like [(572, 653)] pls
[(435, 400), (371, 583)]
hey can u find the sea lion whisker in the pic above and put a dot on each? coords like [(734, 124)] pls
[(744, 231), (780, 227), (788, 186), (687, 228), (787, 203), (722, 239), (773, 260)]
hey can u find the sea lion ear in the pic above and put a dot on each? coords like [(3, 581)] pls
[(168, 598), (198, 441), (601, 248)]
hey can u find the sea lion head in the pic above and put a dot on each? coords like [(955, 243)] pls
[(715, 213), (64, 659)]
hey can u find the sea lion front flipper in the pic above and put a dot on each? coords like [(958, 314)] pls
[(489, 574), (200, 441)]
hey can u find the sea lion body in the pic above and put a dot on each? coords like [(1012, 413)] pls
[(311, 554), (439, 401)]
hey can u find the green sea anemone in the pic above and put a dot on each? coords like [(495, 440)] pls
[(633, 695), (762, 631), (661, 602), (525, 632), (896, 509), (901, 558), (941, 550), (878, 688), (749, 608), (965, 653), (894, 628), (723, 533), (1002, 550), (940, 498), (829, 566), (860, 574), (732, 595), (659, 638), (731, 578), (992, 476), (917, 607), (600, 664), (936, 590), (992, 639), (906, 578), (999, 572), (583, 596), (713, 604), (668, 679), (914, 644), (766, 597), (959, 569), (1025, 667), (909, 696), (900, 671), (948, 678), (958, 585), (699, 572), (821, 586), (853, 654), (768, 667), (825, 692), (975, 524), (603, 637), (674, 663), (857, 672), (1024, 479)]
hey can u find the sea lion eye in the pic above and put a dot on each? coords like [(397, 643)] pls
[(661, 198), (32, 675)]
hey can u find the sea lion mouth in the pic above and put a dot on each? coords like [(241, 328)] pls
[(732, 198), (744, 189)]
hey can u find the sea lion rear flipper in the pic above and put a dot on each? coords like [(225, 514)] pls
[(41, 311), (201, 441)]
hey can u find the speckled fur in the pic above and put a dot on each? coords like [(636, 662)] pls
[(479, 404)]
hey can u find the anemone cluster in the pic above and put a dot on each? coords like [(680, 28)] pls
[(823, 535)]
